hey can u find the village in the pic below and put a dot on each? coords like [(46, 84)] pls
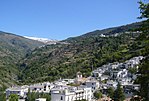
[(79, 88)]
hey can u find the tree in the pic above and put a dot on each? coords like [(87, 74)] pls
[(110, 92), (133, 70), (97, 94), (31, 96), (144, 79), (119, 94), (13, 97), (2, 97), (45, 95), (144, 10)]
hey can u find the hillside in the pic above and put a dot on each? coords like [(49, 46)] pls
[(82, 53), (107, 32), (12, 49)]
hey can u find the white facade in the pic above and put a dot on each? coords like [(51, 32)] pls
[(41, 87), (119, 74), (79, 75), (93, 84), (111, 83), (96, 74), (41, 99), (20, 91), (71, 93), (104, 77)]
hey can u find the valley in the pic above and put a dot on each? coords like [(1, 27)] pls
[(27, 62)]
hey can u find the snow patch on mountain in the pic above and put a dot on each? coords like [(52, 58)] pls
[(44, 40)]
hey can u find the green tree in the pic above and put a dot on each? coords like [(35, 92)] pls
[(110, 92), (97, 94), (31, 96), (45, 95), (2, 97), (144, 79), (144, 10), (119, 94), (132, 70), (13, 97)]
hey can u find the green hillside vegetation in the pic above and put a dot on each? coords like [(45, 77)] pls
[(143, 79), (108, 31), (12, 49), (82, 53)]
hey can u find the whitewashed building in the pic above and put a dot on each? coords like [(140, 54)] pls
[(111, 83), (71, 93), (119, 73), (96, 74), (21, 91), (94, 84), (104, 77), (41, 87)]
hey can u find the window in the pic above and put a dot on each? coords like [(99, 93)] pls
[(61, 97)]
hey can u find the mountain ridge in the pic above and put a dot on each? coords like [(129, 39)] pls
[(12, 49), (108, 31), (64, 60)]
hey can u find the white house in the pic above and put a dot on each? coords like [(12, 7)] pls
[(104, 77), (71, 93), (115, 65), (111, 83), (69, 80), (94, 84), (119, 73), (41, 87), (21, 91), (96, 74)]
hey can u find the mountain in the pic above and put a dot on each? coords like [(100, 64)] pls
[(44, 40), (12, 49), (82, 53), (107, 32)]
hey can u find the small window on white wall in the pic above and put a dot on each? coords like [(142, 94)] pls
[(61, 97)]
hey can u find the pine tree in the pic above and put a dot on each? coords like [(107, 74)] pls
[(13, 97), (97, 94), (119, 94), (144, 67), (110, 92), (144, 79)]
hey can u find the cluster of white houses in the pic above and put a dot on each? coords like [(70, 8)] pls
[(60, 90), (113, 73), (102, 78), (67, 93)]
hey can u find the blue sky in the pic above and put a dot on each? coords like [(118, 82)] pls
[(60, 19)]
